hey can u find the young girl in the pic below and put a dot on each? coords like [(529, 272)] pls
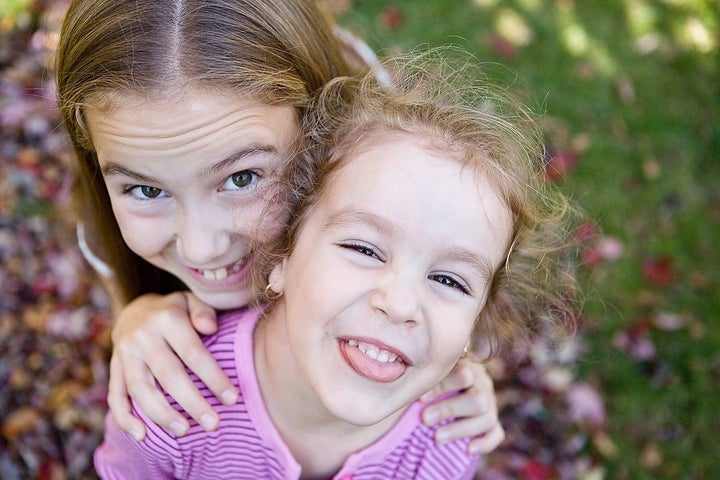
[(419, 218), (179, 112)]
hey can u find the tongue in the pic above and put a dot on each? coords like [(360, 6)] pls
[(372, 369)]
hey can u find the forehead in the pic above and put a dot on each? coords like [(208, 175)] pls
[(429, 191), (186, 120)]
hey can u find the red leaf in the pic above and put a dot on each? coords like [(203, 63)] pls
[(502, 47), (535, 470), (391, 18), (588, 230), (659, 271), (560, 164)]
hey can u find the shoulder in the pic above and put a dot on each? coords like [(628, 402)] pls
[(429, 460), (409, 451)]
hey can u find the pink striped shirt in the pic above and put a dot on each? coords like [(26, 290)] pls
[(247, 445)]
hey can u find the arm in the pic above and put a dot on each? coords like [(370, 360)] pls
[(154, 338), (474, 409)]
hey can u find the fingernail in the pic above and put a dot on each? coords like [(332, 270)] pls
[(229, 397), (427, 396), (442, 436), (178, 428), (431, 417), (474, 449), (208, 422), (136, 434)]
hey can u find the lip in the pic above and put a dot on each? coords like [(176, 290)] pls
[(382, 345), (237, 273), (369, 368)]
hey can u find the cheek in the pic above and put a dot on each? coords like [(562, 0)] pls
[(144, 237), (448, 342)]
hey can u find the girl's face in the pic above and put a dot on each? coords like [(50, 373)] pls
[(391, 268), (189, 177)]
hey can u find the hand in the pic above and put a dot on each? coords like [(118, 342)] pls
[(474, 409), (153, 337)]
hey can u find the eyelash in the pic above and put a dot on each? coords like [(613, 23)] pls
[(442, 279), (362, 249), (450, 282), (253, 181), (133, 190)]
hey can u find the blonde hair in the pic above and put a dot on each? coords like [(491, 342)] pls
[(276, 51), (460, 114)]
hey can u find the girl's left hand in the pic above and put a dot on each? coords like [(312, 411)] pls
[(474, 409)]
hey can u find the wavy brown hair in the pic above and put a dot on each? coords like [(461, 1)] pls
[(456, 111)]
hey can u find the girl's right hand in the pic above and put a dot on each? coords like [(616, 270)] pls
[(154, 338)]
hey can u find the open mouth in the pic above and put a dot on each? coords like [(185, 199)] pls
[(372, 361), (373, 351), (222, 273)]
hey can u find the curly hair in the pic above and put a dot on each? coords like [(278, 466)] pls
[(459, 113)]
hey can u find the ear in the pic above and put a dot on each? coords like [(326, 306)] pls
[(277, 276)]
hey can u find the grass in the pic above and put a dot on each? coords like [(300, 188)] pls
[(632, 89)]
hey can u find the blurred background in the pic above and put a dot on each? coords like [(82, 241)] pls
[(628, 95)]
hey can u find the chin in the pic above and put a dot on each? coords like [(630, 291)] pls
[(224, 301), (369, 414)]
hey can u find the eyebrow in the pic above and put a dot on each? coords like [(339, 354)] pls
[(253, 150), (348, 216), (481, 264), (113, 168)]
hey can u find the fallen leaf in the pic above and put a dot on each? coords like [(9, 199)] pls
[(501, 46), (392, 18), (604, 444), (560, 164), (536, 470), (659, 271), (585, 405)]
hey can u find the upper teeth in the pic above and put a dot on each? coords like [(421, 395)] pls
[(220, 273), (373, 351)]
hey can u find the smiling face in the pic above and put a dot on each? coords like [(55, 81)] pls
[(390, 270), (190, 178)]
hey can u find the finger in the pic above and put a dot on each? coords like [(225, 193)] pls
[(200, 361), (119, 403), (488, 442), (143, 389), (468, 404), (202, 316), (466, 428), (170, 372)]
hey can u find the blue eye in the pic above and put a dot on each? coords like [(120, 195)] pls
[(145, 192), (241, 179), (448, 281)]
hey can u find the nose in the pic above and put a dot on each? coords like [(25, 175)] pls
[(398, 296), (202, 235)]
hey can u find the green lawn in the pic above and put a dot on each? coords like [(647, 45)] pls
[(631, 90)]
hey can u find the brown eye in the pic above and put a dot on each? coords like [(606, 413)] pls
[(242, 179), (150, 192)]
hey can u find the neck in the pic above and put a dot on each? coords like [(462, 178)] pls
[(318, 440)]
